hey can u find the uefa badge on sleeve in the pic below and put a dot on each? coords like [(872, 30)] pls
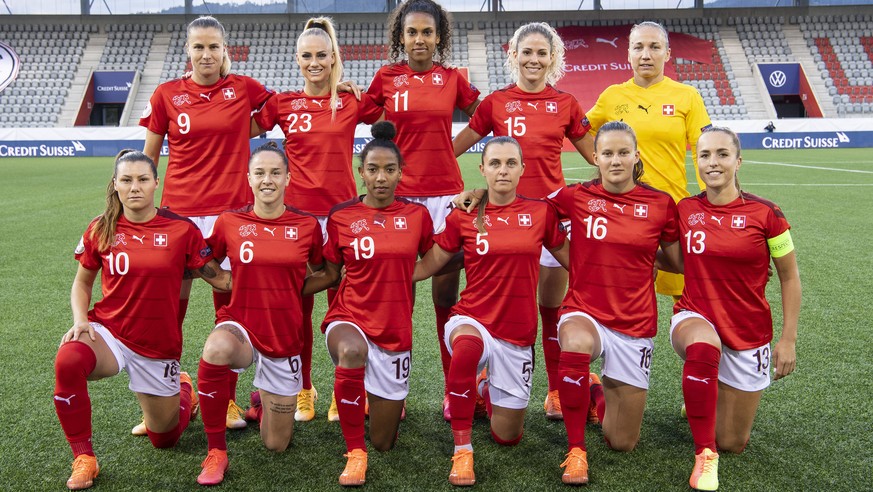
[(10, 64)]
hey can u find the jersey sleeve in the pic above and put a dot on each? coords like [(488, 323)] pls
[(258, 93), (268, 116), (467, 92), (597, 115), (375, 90), (332, 251), (155, 117), (368, 111), (579, 124), (216, 240), (555, 233), (776, 222), (670, 233), (197, 252), (482, 121), (562, 201), (86, 251), (425, 242), (316, 251), (449, 238)]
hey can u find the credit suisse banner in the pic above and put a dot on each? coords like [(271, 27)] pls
[(781, 79), (112, 87)]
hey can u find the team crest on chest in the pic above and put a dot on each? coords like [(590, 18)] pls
[(181, 99), (400, 223), (551, 106), (641, 210), (597, 205), (291, 233), (738, 222), (696, 218), (161, 240), (120, 239), (513, 106), (622, 109), (299, 104), (228, 93), (524, 220), (436, 79), (401, 80), (247, 230), (668, 110), (359, 225), (485, 220)]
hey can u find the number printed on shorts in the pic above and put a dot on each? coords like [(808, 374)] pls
[(645, 358), (763, 357), (526, 371), (401, 367), (171, 369), (294, 363)]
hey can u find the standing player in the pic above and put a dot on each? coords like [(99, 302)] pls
[(494, 323), (723, 327), (143, 253), (319, 127), (207, 121), (419, 96), (666, 115), (269, 246), (368, 328), (539, 117), (610, 309)]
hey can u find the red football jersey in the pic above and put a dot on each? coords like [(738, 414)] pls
[(421, 104), (269, 258), (141, 280), (612, 253), (503, 265), (726, 260), (207, 128), (319, 149), (539, 121), (378, 247)]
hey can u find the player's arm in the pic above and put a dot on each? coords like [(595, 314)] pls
[(467, 200), (152, 147), (585, 146), (80, 301), (784, 355), (669, 258), (435, 261), (562, 254), (217, 277), (464, 140), (469, 110), (323, 277), (255, 129)]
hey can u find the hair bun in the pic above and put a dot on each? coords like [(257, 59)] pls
[(383, 130)]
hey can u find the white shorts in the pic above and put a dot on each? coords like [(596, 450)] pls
[(438, 206), (546, 258), (625, 358), (509, 366), (159, 377), (745, 370), (280, 376), (205, 223), (386, 374)]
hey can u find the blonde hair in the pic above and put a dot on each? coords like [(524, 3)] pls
[(323, 27), (653, 25), (103, 231), (209, 22), (556, 47), (735, 139)]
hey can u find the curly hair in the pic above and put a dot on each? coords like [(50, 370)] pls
[(441, 17), (556, 48)]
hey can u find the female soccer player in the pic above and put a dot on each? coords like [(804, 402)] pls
[(539, 117), (666, 115), (269, 246), (368, 328), (207, 121), (319, 127), (419, 95), (722, 327), (495, 322), (133, 327), (610, 309)]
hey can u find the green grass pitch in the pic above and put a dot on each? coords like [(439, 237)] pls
[(812, 431)]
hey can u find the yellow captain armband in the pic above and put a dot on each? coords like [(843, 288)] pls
[(781, 245)]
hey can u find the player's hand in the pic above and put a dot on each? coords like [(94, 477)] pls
[(76, 331), (468, 200), (784, 358), (350, 86)]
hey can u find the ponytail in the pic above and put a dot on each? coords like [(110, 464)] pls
[(323, 26), (480, 213), (103, 232)]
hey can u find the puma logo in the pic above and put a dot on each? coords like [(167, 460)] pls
[(646, 109), (505, 221), (606, 41), (692, 378), (318, 101), (138, 238), (210, 394), (207, 96), (347, 402), (717, 219), (620, 207), (271, 231), (567, 379), (379, 223), (459, 395), (534, 105), (67, 400), (419, 78)]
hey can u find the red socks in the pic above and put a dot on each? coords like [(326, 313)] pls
[(170, 438), (511, 442), (574, 394), (212, 387), (220, 299), (599, 400), (183, 308), (700, 389), (350, 400), (306, 351), (461, 385), (551, 348), (442, 317), (73, 364)]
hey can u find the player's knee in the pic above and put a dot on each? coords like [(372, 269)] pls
[(164, 440), (382, 444), (622, 443), (276, 444), (73, 361), (219, 348), (505, 438), (352, 355), (582, 344)]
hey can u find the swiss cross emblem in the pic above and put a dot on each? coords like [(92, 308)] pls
[(400, 222), (437, 79), (524, 220), (551, 107), (291, 233), (161, 240), (228, 93), (738, 222), (641, 210), (668, 110)]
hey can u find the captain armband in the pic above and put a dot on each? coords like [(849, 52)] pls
[(781, 245)]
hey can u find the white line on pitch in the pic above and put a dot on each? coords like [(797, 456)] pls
[(811, 167)]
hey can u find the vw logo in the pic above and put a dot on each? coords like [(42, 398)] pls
[(9, 65), (777, 78)]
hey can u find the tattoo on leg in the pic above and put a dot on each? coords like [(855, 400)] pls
[(277, 407), (233, 330)]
